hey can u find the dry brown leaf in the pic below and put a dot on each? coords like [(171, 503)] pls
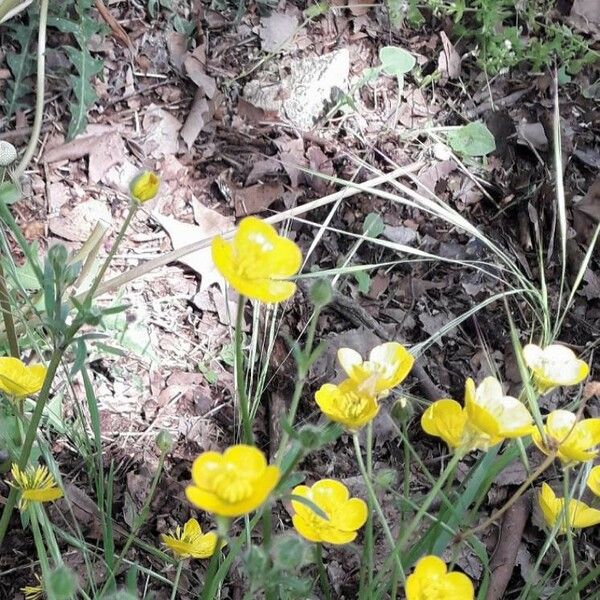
[(197, 118), (277, 31), (77, 225), (449, 59), (256, 198), (162, 132), (182, 234), (107, 152)]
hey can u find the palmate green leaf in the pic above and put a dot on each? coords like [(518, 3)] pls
[(87, 67)]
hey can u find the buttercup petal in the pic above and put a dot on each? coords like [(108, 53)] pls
[(445, 419), (355, 514), (205, 467), (348, 359), (250, 460), (329, 492), (305, 529), (593, 481)]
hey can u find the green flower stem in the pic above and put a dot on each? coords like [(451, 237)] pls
[(569, 532), (208, 590), (247, 436), (300, 380), (323, 579), (32, 431), (137, 524), (133, 206), (377, 506), (368, 549), (9, 323), (177, 578), (39, 543), (435, 490), (39, 92), (49, 535)]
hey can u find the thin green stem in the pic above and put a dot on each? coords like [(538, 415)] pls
[(208, 589), (138, 522), (242, 395), (31, 433), (323, 579), (9, 323), (377, 506), (177, 578), (569, 532), (300, 381), (369, 524), (133, 206), (38, 539), (39, 92), (435, 490)]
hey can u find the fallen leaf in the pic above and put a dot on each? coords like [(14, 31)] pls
[(400, 234), (256, 198), (588, 10), (177, 45), (533, 134), (449, 59), (277, 31), (162, 131), (197, 118), (78, 223), (194, 67), (182, 234), (262, 168), (107, 152)]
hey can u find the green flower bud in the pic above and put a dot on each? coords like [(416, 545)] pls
[(164, 441)]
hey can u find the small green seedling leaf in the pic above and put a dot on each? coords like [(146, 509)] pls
[(373, 225), (9, 192), (474, 139), (363, 281), (396, 61)]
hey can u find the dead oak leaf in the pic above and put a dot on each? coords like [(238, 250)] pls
[(211, 224)]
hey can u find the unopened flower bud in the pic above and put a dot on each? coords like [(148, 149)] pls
[(164, 441), (145, 186), (8, 153)]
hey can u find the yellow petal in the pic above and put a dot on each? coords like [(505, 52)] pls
[(349, 359), (430, 566), (396, 360), (305, 529), (338, 537), (353, 514), (445, 419), (250, 460), (458, 585), (593, 481), (192, 528), (205, 468), (42, 495), (329, 492)]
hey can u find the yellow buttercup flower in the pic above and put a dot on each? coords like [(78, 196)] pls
[(447, 419), (579, 513), (34, 592), (487, 418), (593, 481), (20, 380), (145, 186), (190, 542), (257, 261), (554, 365), (37, 484), (432, 581), (387, 366), (347, 404), (493, 414), (233, 483), (345, 515), (575, 441)]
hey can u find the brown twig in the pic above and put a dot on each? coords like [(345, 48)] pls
[(503, 561), (118, 31)]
